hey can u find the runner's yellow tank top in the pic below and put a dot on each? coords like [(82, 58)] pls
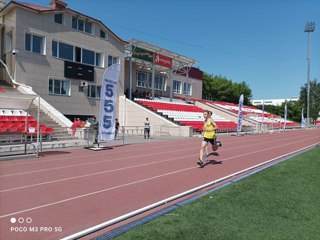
[(209, 126)]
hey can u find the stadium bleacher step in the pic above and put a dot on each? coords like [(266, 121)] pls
[(60, 133)]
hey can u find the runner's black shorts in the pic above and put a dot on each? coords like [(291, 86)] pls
[(213, 141)]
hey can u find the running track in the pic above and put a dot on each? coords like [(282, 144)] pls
[(69, 190)]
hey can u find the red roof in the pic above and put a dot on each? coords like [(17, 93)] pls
[(195, 73), (34, 7), (60, 6)]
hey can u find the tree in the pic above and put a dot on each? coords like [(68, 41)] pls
[(218, 88), (314, 104), (293, 110)]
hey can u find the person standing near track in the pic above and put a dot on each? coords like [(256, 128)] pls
[(95, 126), (117, 125), (147, 128), (209, 135)]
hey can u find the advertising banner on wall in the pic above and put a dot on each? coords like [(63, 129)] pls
[(162, 60), (143, 54)]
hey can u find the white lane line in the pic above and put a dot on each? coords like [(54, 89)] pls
[(132, 183), (93, 174), (58, 158), (179, 142), (136, 166), (175, 197), (96, 192), (87, 163), (98, 162)]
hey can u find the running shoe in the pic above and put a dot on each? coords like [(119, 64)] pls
[(206, 155), (219, 143), (200, 162)]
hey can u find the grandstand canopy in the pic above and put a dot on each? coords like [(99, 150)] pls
[(180, 63), (150, 57), (16, 101)]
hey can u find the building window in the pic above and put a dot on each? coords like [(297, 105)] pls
[(94, 91), (88, 27), (59, 87), (88, 57), (99, 59), (77, 54), (141, 79), (54, 49), (112, 60), (34, 43), (58, 18), (103, 34), (158, 82), (65, 51), (81, 25), (74, 22), (176, 86), (187, 89), (149, 75)]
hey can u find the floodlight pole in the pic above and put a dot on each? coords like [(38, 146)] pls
[(308, 28)]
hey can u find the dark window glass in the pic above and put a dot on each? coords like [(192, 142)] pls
[(50, 86), (58, 18), (54, 49), (37, 44), (28, 42), (74, 22), (88, 27), (102, 34), (80, 24), (78, 54), (66, 51), (88, 57)]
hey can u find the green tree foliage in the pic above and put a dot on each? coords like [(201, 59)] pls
[(293, 110), (218, 88), (314, 99)]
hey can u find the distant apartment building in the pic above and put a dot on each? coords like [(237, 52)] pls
[(274, 102)]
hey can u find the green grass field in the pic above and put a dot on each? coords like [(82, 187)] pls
[(281, 202)]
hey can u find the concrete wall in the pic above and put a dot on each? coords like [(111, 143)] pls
[(132, 114)]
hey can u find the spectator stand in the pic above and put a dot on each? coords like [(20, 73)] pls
[(15, 131)]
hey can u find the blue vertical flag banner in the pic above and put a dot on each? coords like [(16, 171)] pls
[(303, 120), (285, 117), (108, 102), (240, 115)]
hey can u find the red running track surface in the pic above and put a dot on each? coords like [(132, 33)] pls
[(64, 192)]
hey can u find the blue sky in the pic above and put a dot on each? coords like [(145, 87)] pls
[(261, 42)]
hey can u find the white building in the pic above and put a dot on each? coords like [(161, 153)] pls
[(275, 102)]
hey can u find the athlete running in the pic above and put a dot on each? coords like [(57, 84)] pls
[(209, 135), (218, 143)]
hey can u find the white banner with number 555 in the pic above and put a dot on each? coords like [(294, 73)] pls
[(108, 102)]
